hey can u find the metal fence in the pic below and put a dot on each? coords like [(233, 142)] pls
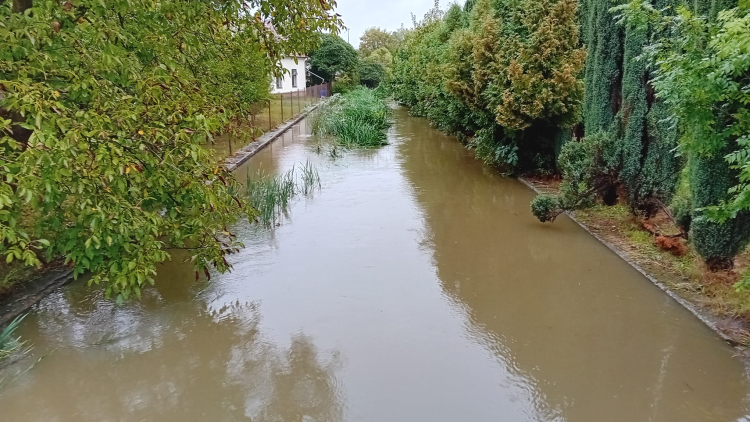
[(268, 115), (283, 107)]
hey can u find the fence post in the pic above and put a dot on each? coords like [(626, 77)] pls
[(269, 115), (282, 106)]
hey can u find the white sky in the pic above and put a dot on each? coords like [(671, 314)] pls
[(359, 15)]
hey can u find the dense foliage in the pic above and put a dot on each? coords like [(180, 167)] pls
[(384, 57), (334, 57), (359, 118), (502, 72), (376, 38), (336, 60), (663, 120), (666, 82), (703, 74), (107, 112), (585, 172), (371, 73)]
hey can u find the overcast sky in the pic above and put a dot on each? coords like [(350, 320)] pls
[(359, 15)]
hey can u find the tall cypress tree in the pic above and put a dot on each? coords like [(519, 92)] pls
[(634, 109), (693, 81), (710, 179), (619, 100), (603, 75)]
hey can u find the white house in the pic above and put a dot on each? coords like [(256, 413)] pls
[(294, 77)]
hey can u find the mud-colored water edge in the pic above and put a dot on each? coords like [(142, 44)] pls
[(29, 293), (734, 331)]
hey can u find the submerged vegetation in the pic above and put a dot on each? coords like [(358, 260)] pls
[(270, 195), (359, 118), (9, 343)]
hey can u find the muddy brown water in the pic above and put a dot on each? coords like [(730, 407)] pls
[(414, 286)]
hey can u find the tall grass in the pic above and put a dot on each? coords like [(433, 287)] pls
[(359, 118), (270, 195), (9, 343)]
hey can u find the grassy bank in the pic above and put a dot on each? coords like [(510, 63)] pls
[(359, 118), (675, 264)]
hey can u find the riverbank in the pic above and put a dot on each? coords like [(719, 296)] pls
[(21, 287), (710, 296), (416, 266)]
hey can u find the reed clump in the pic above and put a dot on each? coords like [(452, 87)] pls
[(271, 195), (359, 118), (9, 343)]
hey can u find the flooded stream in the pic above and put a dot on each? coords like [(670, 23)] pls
[(415, 285)]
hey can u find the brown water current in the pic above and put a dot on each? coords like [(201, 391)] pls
[(413, 286)]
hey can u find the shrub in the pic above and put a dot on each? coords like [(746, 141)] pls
[(585, 170), (503, 71), (545, 208), (371, 74), (345, 83), (586, 174), (333, 58), (717, 242), (359, 118)]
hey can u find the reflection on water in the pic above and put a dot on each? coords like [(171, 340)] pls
[(415, 286), (170, 357), (594, 339)]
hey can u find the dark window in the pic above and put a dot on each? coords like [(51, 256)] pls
[(294, 78), (279, 82)]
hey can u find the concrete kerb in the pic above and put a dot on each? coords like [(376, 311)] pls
[(244, 154), (711, 321), (32, 292)]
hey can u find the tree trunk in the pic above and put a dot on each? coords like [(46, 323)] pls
[(20, 6), (720, 264)]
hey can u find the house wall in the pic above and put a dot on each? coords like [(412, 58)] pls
[(286, 85)]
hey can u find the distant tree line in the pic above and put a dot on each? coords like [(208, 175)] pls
[(372, 65)]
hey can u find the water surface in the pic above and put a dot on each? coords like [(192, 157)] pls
[(414, 286)]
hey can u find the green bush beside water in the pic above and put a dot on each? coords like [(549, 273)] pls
[(359, 118)]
